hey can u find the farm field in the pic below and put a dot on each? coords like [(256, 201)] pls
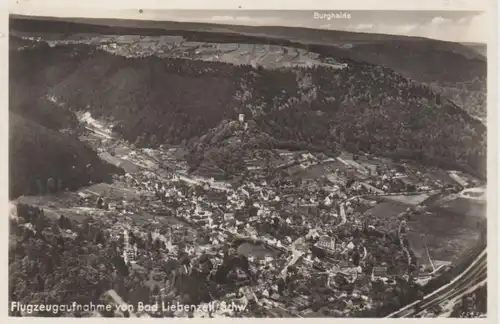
[(446, 234), (268, 56)]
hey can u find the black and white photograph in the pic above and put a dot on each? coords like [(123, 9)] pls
[(247, 163)]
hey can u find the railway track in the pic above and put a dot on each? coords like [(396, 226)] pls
[(474, 276)]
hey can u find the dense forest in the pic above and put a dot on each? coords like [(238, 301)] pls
[(43, 160), (363, 107), (429, 61), (53, 261), (466, 86)]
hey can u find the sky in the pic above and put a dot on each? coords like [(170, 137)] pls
[(457, 26)]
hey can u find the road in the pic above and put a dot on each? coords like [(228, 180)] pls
[(342, 214), (296, 255), (99, 132), (401, 242), (472, 277)]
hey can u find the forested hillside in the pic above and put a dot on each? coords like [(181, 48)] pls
[(465, 85), (430, 61), (361, 107), (38, 154)]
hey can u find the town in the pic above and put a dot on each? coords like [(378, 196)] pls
[(290, 244)]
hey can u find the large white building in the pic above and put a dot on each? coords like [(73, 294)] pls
[(327, 243)]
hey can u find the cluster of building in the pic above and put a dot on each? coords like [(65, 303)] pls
[(309, 242), (261, 217)]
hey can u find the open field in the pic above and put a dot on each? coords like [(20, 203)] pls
[(446, 234), (408, 199), (474, 209), (127, 166), (68, 205), (440, 175), (387, 213), (268, 56)]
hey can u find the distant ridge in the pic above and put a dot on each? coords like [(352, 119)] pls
[(154, 27), (430, 61)]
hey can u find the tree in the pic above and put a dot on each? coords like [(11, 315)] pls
[(139, 141), (59, 185), (55, 229), (153, 141), (62, 222), (40, 223), (156, 290), (99, 238), (85, 227), (51, 185), (150, 240), (39, 187), (349, 183), (158, 244)]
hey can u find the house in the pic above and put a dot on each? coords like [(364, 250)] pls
[(343, 264), (351, 246), (439, 263), (371, 168), (326, 243), (307, 157), (379, 273)]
